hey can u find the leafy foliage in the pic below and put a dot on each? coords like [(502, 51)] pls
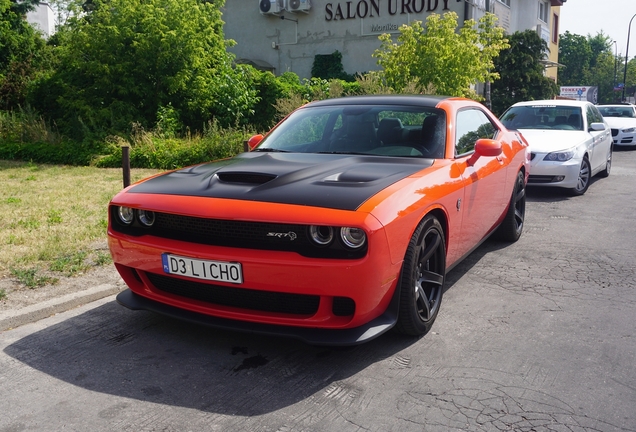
[(126, 60), (589, 61), (521, 72), (21, 50), (441, 57), (329, 66), (148, 150)]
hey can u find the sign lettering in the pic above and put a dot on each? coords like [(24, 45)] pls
[(352, 9)]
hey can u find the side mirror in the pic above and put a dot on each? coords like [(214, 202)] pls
[(254, 141), (485, 147), (597, 126)]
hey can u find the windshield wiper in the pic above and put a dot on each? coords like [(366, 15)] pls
[(270, 150), (345, 153)]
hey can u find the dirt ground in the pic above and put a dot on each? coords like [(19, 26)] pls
[(18, 296)]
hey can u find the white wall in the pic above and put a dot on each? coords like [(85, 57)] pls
[(43, 19), (322, 31)]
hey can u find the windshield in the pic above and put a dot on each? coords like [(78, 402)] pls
[(613, 111), (391, 130), (543, 117)]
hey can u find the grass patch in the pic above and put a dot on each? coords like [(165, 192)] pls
[(3, 294), (56, 220), (31, 279), (71, 264)]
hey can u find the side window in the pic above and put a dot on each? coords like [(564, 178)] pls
[(471, 125), (593, 116)]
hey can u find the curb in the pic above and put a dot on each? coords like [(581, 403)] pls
[(29, 314)]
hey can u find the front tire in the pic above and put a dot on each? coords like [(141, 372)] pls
[(421, 282), (585, 175), (512, 224)]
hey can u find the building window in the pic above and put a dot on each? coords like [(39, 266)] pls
[(506, 2), (555, 28), (544, 8)]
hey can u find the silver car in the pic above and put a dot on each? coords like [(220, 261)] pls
[(622, 119), (570, 142)]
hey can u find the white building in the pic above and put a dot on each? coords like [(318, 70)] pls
[(43, 19), (286, 35)]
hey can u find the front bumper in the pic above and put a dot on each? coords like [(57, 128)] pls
[(312, 336), (625, 139), (554, 174)]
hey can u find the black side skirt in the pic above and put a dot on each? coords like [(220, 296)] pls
[(311, 336)]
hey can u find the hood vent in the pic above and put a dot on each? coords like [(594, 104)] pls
[(244, 177)]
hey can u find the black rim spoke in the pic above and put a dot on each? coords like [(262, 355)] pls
[(429, 278), (430, 248), (423, 304)]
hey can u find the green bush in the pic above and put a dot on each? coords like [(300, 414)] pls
[(26, 136), (150, 151), (329, 66)]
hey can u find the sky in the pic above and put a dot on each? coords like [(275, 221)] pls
[(585, 17)]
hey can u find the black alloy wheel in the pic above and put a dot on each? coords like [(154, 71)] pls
[(422, 279), (512, 225)]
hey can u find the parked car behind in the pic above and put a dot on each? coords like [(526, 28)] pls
[(622, 119), (570, 142)]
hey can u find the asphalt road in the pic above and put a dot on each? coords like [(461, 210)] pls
[(535, 336)]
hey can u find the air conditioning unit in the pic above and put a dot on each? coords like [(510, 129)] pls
[(298, 5), (268, 7)]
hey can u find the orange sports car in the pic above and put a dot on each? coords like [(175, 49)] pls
[(340, 224)]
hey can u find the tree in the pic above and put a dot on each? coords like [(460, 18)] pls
[(588, 61), (123, 61), (439, 57), (521, 72), (575, 53), (20, 52)]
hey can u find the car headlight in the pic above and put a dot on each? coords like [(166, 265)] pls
[(559, 156), (126, 215), (353, 238), (321, 235), (629, 130), (146, 217)]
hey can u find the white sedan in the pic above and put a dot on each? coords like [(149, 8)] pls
[(622, 119), (570, 142)]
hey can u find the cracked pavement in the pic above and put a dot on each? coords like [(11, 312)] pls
[(534, 336)]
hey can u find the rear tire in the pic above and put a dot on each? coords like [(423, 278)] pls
[(608, 165), (421, 282), (512, 225)]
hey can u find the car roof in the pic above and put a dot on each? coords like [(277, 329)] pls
[(553, 102), (617, 105), (416, 100)]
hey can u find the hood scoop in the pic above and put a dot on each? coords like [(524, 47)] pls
[(245, 177)]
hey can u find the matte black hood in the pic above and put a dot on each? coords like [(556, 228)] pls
[(321, 180)]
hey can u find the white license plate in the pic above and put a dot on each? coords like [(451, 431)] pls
[(202, 269)]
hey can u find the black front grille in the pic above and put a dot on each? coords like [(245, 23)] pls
[(255, 235), (238, 234), (263, 301), (614, 132)]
